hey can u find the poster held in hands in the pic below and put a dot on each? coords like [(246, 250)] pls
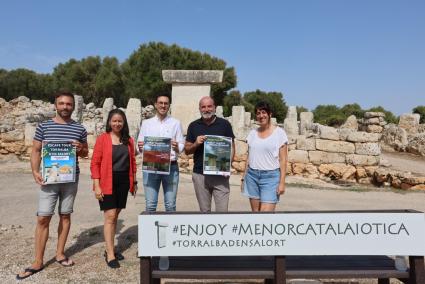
[(59, 162), (217, 155), (156, 155)]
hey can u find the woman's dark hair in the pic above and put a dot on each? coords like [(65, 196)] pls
[(125, 132), (263, 106)]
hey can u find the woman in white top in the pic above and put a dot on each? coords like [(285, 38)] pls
[(264, 178)]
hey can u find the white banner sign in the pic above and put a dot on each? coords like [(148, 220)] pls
[(282, 234)]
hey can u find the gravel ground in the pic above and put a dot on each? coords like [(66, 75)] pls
[(18, 203)]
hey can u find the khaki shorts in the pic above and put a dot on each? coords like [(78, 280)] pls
[(51, 193)]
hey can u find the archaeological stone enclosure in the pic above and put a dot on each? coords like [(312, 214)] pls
[(350, 153)]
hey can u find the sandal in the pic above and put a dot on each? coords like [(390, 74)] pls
[(30, 270), (112, 263), (65, 262)]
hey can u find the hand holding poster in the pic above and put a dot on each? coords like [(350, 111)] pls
[(156, 155), (217, 153), (59, 160)]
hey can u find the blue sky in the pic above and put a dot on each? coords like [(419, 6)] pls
[(315, 52)]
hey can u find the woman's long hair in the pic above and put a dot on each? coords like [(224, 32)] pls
[(125, 132)]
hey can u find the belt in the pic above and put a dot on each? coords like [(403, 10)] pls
[(173, 162)]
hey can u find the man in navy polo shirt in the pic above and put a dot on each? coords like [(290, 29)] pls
[(207, 186)]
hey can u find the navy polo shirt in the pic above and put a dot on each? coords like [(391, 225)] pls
[(197, 128)]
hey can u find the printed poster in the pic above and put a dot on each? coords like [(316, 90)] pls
[(217, 153), (156, 155), (59, 161)]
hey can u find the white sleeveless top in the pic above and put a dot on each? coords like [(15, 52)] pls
[(264, 152)]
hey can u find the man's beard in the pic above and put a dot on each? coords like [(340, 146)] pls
[(64, 113), (207, 114)]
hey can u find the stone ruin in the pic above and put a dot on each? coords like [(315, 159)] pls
[(350, 153)]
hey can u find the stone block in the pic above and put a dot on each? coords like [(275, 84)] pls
[(327, 132), (351, 123), (306, 119), (416, 144), (29, 133), (362, 160), (370, 114), (292, 147), (108, 105), (298, 156), (219, 111), (12, 136), (373, 149), (409, 122), (292, 113), (321, 157), (134, 116), (192, 76), (291, 126), (338, 170), (304, 143), (335, 146), (395, 137), (374, 129), (308, 170), (361, 172), (418, 187), (344, 132), (363, 137), (372, 120), (241, 148), (77, 114)]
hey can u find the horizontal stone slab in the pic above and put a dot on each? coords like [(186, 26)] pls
[(298, 156), (362, 160), (363, 137), (321, 157), (327, 132), (373, 149), (335, 146), (192, 76)]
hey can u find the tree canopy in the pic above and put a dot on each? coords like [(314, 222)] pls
[(421, 111), (142, 71), (275, 99), (92, 77)]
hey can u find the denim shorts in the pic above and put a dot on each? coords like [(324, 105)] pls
[(51, 193), (262, 185)]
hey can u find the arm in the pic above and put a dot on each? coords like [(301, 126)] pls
[(35, 161), (233, 151), (140, 139), (244, 172), (190, 147), (95, 168), (178, 145), (82, 148), (283, 157)]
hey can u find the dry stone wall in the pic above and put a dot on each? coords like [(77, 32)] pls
[(315, 151)]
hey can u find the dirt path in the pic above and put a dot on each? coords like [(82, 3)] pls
[(18, 204)]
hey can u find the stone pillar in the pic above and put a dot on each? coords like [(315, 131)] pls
[(238, 122), (306, 119), (290, 123), (219, 111), (77, 114), (29, 133), (108, 105), (410, 122), (188, 87), (134, 116)]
